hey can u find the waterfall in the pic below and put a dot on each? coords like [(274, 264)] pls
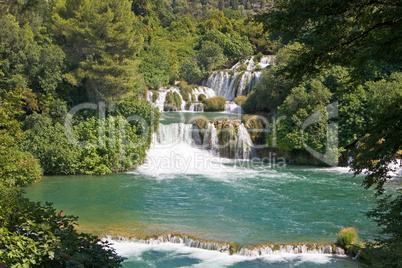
[(208, 92), (173, 133), (257, 251), (244, 145), (149, 96), (239, 80), (222, 83), (227, 144), (196, 107), (232, 107), (290, 249), (210, 141), (232, 85), (160, 102)]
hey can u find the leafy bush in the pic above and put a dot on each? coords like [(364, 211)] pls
[(172, 101), (32, 235), (191, 71), (214, 104), (240, 100), (242, 68), (122, 147), (202, 97), (48, 143), (155, 96), (258, 57), (211, 56), (250, 103), (347, 237), (177, 100), (202, 122), (186, 91), (21, 168)]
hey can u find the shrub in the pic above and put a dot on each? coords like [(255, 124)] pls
[(185, 90), (177, 100), (214, 104), (258, 57), (240, 100), (347, 237), (47, 141), (242, 68), (32, 235), (202, 97), (251, 102), (155, 96), (202, 122), (172, 101), (258, 68), (18, 168)]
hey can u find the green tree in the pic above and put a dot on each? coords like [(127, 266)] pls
[(100, 41), (211, 57), (16, 167), (28, 63), (32, 235), (351, 33)]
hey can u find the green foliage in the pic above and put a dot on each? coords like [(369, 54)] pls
[(99, 40), (202, 122), (177, 100), (32, 235), (155, 96), (48, 143), (16, 167), (172, 102), (127, 136), (386, 252), (352, 33), (185, 90), (347, 237), (249, 106), (202, 97), (155, 65), (258, 57), (211, 57), (26, 62), (214, 104), (233, 44), (380, 147), (273, 87), (191, 71), (240, 100)]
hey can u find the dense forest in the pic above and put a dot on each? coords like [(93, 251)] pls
[(57, 54)]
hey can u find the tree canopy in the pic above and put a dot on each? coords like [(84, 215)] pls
[(359, 33)]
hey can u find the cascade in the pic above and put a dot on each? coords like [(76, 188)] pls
[(196, 107), (244, 145), (239, 80), (180, 137), (173, 133), (208, 92), (257, 251), (232, 107), (210, 141), (160, 101)]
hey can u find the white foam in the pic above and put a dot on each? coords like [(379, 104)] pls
[(210, 258)]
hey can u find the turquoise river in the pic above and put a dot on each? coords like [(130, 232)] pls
[(187, 190)]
